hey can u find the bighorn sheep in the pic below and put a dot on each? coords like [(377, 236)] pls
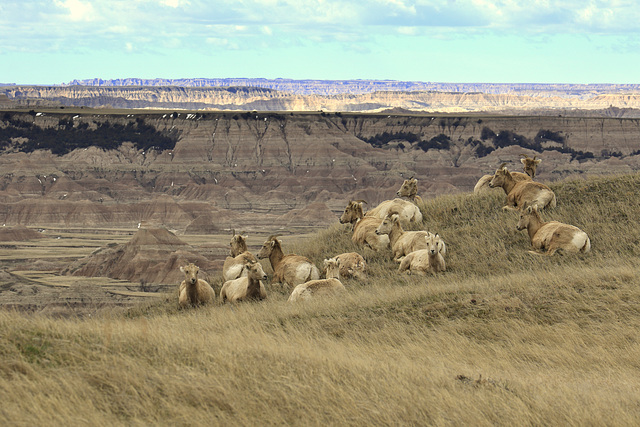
[(234, 265), (291, 269), (194, 291), (245, 288), (406, 210), (402, 242), (312, 288), (409, 189), (519, 193), (423, 261), (352, 265), (530, 166), (553, 235), (364, 227)]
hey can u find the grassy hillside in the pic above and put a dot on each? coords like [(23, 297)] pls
[(502, 338)]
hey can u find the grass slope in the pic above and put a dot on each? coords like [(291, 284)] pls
[(502, 338)]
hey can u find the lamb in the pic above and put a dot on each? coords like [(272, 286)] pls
[(193, 291), (519, 193), (364, 227), (402, 242), (245, 288), (290, 270), (530, 165), (553, 235), (234, 265), (352, 265), (313, 288), (407, 211), (423, 261), (409, 189)]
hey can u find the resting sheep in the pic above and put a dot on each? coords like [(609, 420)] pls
[(313, 288), (530, 166), (402, 242), (194, 291), (407, 211), (290, 270), (245, 288), (423, 261), (234, 265), (364, 227), (523, 192), (553, 235), (352, 265), (409, 189)]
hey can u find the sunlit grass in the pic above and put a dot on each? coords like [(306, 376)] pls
[(501, 338)]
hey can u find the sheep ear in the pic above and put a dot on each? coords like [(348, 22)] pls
[(523, 161), (182, 269), (538, 161), (529, 209)]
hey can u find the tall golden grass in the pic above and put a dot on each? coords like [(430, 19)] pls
[(502, 338)]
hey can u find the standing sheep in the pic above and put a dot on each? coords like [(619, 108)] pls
[(290, 270), (245, 288), (423, 261), (553, 235), (313, 288), (194, 291)]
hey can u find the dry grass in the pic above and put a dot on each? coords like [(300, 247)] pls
[(501, 338)]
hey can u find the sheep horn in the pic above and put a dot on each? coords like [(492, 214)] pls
[(360, 201), (526, 156), (502, 165)]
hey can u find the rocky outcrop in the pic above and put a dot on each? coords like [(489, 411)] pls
[(269, 171), (266, 99), (151, 256)]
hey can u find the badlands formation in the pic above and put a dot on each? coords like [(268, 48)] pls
[(257, 170)]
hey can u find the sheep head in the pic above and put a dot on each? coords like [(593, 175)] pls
[(238, 244), (352, 212), (530, 165), (255, 271), (387, 224), (499, 177), (527, 213), (409, 188), (191, 273), (269, 246), (434, 243), (332, 268)]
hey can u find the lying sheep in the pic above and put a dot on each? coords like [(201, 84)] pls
[(290, 270), (407, 211), (423, 261), (522, 192), (234, 265), (402, 242), (352, 265), (364, 228), (193, 291), (553, 235), (245, 288), (409, 189), (314, 288), (530, 165)]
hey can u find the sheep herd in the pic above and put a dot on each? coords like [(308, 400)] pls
[(418, 252)]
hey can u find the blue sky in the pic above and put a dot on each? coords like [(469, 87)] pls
[(501, 41)]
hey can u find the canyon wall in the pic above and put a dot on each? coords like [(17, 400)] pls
[(272, 171)]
